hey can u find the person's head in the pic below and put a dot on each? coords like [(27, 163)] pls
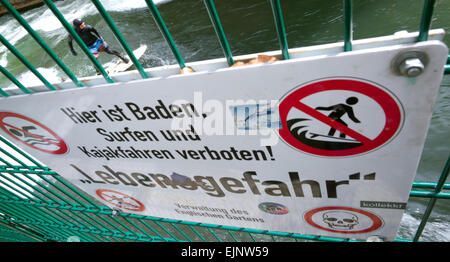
[(78, 23), (351, 100)]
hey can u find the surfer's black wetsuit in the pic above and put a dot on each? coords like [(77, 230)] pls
[(90, 36)]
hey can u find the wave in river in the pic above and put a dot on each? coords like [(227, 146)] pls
[(42, 19), (51, 74), (434, 230), (3, 60)]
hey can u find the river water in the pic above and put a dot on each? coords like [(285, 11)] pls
[(249, 29)]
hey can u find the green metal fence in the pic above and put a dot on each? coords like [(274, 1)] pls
[(37, 204)]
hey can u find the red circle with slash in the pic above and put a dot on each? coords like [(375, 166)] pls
[(376, 221), (386, 101), (14, 132), (120, 200)]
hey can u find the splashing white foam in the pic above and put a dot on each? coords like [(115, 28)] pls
[(434, 230), (3, 60), (120, 5), (44, 20), (29, 79)]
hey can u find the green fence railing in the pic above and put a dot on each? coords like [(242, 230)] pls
[(36, 204), (165, 32), (14, 80), (22, 59), (40, 204), (119, 36), (279, 24), (219, 30), (39, 40)]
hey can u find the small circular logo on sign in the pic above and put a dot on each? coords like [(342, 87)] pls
[(273, 208), (346, 220), (339, 117), (120, 200), (32, 133)]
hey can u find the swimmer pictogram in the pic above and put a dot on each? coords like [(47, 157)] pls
[(120, 200), (32, 133)]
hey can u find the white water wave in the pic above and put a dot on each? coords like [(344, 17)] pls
[(42, 19), (3, 60), (29, 79), (48, 22), (12, 31), (435, 230), (120, 5)]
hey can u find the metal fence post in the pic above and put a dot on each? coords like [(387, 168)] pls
[(279, 24), (431, 203), (219, 30), (163, 28), (425, 22), (14, 80), (348, 25), (119, 36), (26, 63)]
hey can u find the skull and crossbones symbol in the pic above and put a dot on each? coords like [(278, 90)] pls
[(340, 219)]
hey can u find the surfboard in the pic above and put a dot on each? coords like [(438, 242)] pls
[(314, 135), (120, 66)]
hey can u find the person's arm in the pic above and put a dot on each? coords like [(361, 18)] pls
[(91, 29), (96, 33), (325, 108), (71, 45), (352, 116)]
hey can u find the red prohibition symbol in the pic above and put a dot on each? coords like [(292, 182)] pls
[(384, 100), (120, 200), (49, 142), (341, 219)]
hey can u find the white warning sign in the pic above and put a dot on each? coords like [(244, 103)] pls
[(308, 146)]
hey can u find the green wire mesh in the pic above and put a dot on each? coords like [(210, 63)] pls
[(37, 204)]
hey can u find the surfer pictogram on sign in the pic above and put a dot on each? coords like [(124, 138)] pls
[(32, 133), (339, 117)]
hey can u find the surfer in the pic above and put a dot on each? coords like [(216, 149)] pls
[(340, 110), (93, 40)]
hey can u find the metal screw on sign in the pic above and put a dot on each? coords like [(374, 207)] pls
[(410, 64), (411, 67), (115, 211)]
